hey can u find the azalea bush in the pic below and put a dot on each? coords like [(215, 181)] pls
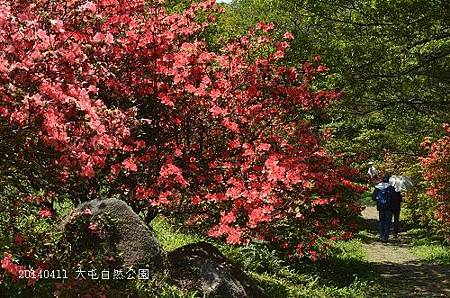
[(26, 240), (122, 99), (436, 171)]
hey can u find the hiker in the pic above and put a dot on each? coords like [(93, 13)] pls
[(383, 194), (396, 202), (372, 170)]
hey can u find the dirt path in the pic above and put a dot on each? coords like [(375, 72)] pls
[(403, 274)]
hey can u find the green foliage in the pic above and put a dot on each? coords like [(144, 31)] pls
[(345, 264), (255, 258), (282, 288), (419, 210), (168, 291), (390, 58), (170, 237), (344, 273), (428, 247), (433, 253), (366, 199)]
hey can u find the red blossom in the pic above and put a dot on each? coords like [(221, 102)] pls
[(134, 97), (346, 235), (228, 218), (234, 127), (259, 215), (19, 239), (93, 227), (129, 164), (11, 268), (288, 36), (437, 172), (313, 255), (45, 213)]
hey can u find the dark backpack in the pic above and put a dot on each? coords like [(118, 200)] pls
[(384, 199)]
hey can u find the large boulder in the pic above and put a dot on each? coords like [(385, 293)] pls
[(203, 267), (109, 226)]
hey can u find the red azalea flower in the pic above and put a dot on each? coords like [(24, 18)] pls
[(45, 213), (19, 239)]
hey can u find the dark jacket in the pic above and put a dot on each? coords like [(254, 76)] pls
[(390, 192), (396, 201)]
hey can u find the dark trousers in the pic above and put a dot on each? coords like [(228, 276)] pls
[(396, 214), (385, 217)]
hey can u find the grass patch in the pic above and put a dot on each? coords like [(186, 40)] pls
[(429, 248), (170, 237), (344, 273), (433, 253), (64, 207), (366, 199), (346, 266), (280, 288), (169, 291), (364, 236)]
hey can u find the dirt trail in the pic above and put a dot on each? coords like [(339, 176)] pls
[(403, 273)]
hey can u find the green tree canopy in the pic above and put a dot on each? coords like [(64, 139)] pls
[(391, 59)]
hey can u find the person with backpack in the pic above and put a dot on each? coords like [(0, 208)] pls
[(396, 202), (383, 195)]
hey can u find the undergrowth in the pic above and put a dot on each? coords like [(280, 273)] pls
[(429, 248), (344, 273)]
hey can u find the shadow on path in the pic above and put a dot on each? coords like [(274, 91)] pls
[(414, 279), (403, 273)]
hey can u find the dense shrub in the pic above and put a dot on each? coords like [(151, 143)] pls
[(120, 98), (436, 171)]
